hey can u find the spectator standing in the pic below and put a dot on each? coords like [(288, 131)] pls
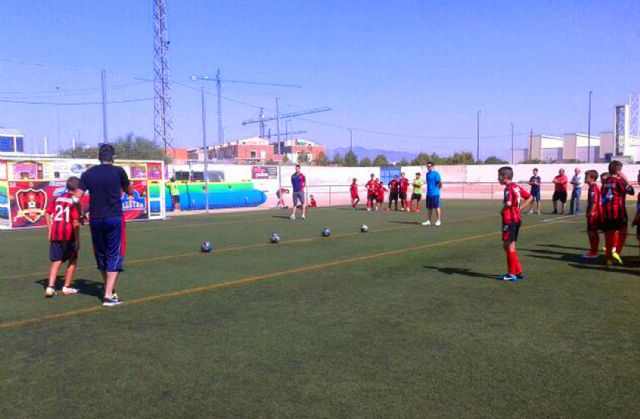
[(106, 183), (560, 191), (535, 182), (576, 182), (174, 191), (434, 184), (298, 182)]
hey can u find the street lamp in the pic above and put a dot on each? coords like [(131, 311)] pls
[(350, 139), (478, 136), (589, 130)]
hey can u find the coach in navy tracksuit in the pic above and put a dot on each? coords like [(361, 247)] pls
[(105, 184)]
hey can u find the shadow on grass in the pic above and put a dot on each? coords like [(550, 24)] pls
[(84, 286), (406, 222), (284, 217), (553, 255), (460, 271), (630, 267)]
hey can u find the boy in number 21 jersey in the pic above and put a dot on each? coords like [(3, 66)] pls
[(63, 221), (511, 219)]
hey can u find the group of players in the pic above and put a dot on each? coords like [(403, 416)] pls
[(606, 212), (398, 191)]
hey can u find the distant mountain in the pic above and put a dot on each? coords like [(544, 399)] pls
[(362, 152)]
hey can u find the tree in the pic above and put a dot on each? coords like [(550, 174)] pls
[(130, 147), (403, 162), (381, 160), (421, 159), (350, 159), (321, 159), (337, 159), (303, 158), (366, 162), (460, 158), (285, 159), (495, 160), (270, 162)]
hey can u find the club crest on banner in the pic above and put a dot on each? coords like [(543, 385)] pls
[(31, 204)]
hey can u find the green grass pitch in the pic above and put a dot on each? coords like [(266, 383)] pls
[(402, 321)]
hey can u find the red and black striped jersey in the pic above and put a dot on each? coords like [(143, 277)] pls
[(404, 185), (512, 194), (394, 186), (63, 214), (594, 201), (614, 192)]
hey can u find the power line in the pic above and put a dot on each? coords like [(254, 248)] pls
[(25, 102)]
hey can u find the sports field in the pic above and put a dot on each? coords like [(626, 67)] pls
[(402, 321)]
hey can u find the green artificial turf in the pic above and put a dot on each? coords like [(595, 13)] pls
[(403, 321)]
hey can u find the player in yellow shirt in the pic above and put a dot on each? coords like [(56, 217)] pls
[(416, 194)]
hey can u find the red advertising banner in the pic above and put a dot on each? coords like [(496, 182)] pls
[(28, 202)]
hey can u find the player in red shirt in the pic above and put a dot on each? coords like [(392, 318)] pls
[(371, 192), (63, 221), (353, 189), (615, 189), (380, 192), (636, 220), (511, 219), (394, 188), (312, 202), (402, 194), (594, 214)]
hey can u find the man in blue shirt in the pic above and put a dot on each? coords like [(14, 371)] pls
[(106, 183), (434, 184), (298, 183)]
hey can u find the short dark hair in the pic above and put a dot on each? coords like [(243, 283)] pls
[(535, 169), (106, 153), (614, 167), (506, 171), (430, 163), (297, 165), (72, 183), (592, 174)]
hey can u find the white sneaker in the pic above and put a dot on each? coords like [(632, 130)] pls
[(304, 216), (69, 290), (49, 292), (293, 217), (426, 223), (438, 223)]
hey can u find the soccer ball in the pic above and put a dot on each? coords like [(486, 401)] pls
[(364, 228), (326, 232), (275, 238), (206, 247)]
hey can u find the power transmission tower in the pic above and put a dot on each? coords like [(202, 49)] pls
[(162, 119)]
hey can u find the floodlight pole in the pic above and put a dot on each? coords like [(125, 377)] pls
[(478, 136), (350, 140), (589, 130), (512, 143), (205, 152)]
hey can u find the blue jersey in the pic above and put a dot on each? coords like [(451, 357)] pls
[(298, 182), (105, 184), (433, 183)]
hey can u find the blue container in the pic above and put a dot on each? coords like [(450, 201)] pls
[(217, 199)]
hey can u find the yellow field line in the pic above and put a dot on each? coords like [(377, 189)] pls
[(239, 248), (256, 278)]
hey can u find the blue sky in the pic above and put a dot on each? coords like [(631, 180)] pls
[(419, 70)]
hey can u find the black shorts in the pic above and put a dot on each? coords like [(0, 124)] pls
[(175, 199), (614, 224), (416, 197), (371, 197), (403, 196), (62, 251), (393, 196), (510, 232), (560, 196)]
